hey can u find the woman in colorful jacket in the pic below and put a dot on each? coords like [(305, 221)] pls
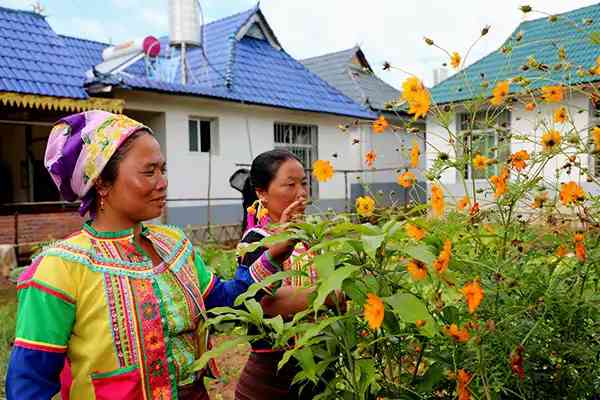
[(121, 302)]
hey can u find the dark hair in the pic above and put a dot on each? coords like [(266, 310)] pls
[(262, 172), (110, 171)]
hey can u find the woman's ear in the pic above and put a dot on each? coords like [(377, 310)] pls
[(102, 188), (262, 195)]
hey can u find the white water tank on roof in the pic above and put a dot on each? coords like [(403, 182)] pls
[(184, 22)]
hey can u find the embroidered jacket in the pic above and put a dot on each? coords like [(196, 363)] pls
[(129, 329)]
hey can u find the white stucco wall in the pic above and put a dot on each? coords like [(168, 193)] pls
[(188, 171)]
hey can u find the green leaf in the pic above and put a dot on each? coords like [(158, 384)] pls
[(199, 364), (372, 243), (366, 370), (421, 252), (410, 309), (314, 330), (426, 383), (276, 323), (254, 288), (255, 310), (595, 37), (325, 264), (331, 282), (307, 363)]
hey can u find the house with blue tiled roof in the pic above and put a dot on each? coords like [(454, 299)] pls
[(557, 50), (240, 94), (350, 72)]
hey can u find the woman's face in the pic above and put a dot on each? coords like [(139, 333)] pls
[(290, 184), (139, 192)]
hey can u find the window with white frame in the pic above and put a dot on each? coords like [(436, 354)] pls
[(594, 158), (486, 134), (301, 140), (202, 135)]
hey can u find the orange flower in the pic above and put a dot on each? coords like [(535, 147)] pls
[(462, 203), (374, 311), (415, 153), (499, 93), (437, 200), (417, 270), (561, 251), (571, 192), (463, 378), (499, 182), (474, 294), (459, 335), (480, 162), (414, 231), (539, 200), (518, 160), (553, 94), (411, 87), (560, 115), (419, 105), (407, 179), (322, 170), (579, 247), (380, 125), (455, 60), (420, 323), (530, 106), (551, 139), (596, 137), (443, 260), (370, 157)]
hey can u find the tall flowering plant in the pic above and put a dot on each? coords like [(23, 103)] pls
[(487, 291)]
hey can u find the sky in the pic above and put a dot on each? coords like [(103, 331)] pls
[(386, 30)]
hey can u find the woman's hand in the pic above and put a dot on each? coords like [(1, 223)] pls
[(293, 210)]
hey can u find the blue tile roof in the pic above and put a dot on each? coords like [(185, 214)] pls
[(248, 70), (541, 38), (34, 60)]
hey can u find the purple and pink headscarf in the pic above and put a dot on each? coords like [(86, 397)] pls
[(80, 146)]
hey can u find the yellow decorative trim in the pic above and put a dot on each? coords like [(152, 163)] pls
[(61, 103)]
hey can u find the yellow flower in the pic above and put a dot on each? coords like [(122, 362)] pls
[(455, 60), (499, 93), (374, 311), (462, 203), (414, 231), (89, 170), (93, 149), (365, 205), (380, 125), (370, 157), (474, 294), (437, 200), (322, 170), (596, 137), (417, 270), (415, 153), (560, 115), (518, 159), (419, 105), (411, 88), (551, 139), (407, 179), (553, 94), (480, 162)]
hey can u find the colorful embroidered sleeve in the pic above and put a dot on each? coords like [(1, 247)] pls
[(45, 317), (219, 293)]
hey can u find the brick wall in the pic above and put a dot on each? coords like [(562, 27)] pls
[(39, 227)]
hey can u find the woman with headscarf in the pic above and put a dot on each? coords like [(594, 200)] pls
[(121, 301)]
